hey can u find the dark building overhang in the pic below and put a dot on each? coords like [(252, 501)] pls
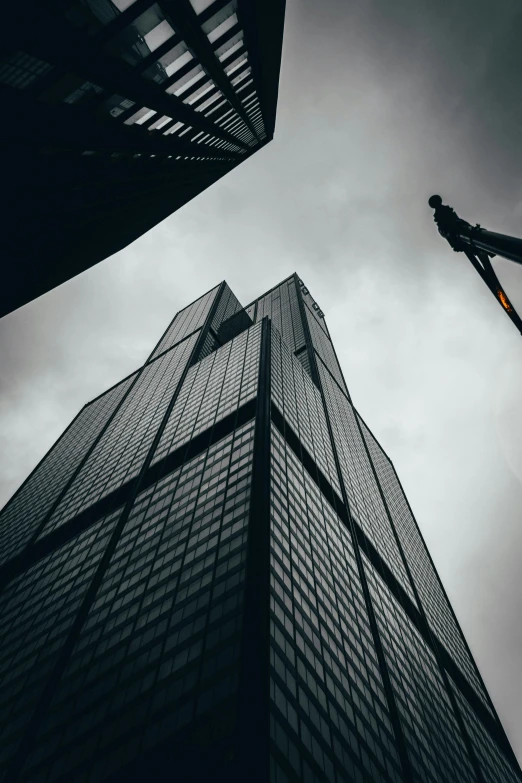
[(84, 175)]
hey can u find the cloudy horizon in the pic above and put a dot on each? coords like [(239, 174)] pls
[(380, 106)]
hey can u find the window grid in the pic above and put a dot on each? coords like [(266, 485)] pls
[(213, 388), (228, 306), (175, 67), (324, 348), (330, 720), (158, 651), (433, 599), (435, 745), (364, 498), (21, 517), (300, 403), (22, 70), (120, 453), (282, 307), (160, 645), (37, 610), (494, 765), (186, 321)]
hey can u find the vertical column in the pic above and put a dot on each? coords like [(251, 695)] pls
[(254, 687)]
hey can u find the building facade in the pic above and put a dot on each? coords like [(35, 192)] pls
[(215, 573), (118, 112)]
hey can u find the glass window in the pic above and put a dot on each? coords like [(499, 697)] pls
[(21, 70), (160, 123), (158, 35), (122, 5), (174, 129), (174, 65), (141, 116), (200, 5), (237, 63), (200, 92), (83, 93), (239, 78), (21, 517), (117, 104), (224, 15), (187, 81), (171, 62), (229, 47), (142, 37), (209, 101), (221, 29)]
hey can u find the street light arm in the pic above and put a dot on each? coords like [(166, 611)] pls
[(461, 234), (479, 245)]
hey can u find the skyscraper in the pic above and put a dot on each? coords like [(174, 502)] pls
[(215, 573), (118, 112)]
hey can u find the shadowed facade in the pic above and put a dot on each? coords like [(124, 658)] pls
[(118, 113), (215, 572)]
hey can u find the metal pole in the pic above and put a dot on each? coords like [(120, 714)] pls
[(459, 232), (479, 245)]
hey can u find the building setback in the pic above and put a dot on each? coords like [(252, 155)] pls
[(118, 112), (215, 574)]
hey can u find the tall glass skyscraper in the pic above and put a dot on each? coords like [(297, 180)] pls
[(119, 112), (215, 574)]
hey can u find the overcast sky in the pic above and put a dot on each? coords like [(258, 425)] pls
[(381, 104)]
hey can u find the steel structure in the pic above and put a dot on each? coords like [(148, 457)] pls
[(215, 574), (118, 112), (479, 245)]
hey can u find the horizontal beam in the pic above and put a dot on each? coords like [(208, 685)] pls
[(58, 43), (116, 499), (184, 20)]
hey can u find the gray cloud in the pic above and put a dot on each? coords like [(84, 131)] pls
[(381, 104)]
